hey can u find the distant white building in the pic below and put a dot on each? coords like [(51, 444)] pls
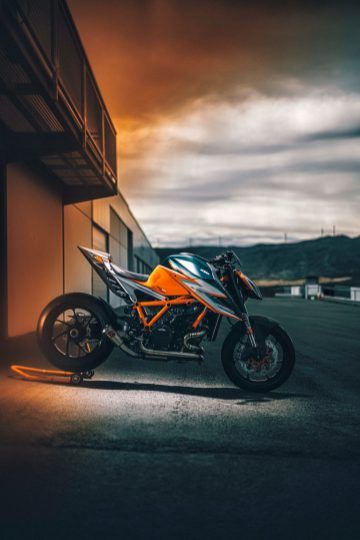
[(355, 294), (296, 290), (312, 290)]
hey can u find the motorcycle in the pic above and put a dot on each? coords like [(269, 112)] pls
[(166, 316)]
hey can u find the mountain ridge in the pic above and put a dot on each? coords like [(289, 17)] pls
[(331, 256)]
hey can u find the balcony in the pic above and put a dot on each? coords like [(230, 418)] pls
[(51, 109)]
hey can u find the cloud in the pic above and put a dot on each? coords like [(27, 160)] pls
[(352, 133), (154, 57), (234, 118), (273, 172)]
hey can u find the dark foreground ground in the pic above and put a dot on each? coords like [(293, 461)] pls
[(151, 450)]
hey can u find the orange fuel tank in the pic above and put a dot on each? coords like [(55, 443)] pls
[(166, 282)]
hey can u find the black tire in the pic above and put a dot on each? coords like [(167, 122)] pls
[(74, 302), (231, 370)]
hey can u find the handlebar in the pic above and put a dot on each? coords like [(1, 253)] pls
[(228, 257)]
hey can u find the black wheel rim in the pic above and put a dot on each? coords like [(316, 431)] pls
[(76, 332)]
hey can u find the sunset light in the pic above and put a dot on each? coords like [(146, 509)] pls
[(179, 270), (238, 110)]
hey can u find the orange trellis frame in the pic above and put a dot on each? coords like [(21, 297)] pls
[(165, 305)]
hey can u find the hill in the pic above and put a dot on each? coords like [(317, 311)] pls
[(331, 256)]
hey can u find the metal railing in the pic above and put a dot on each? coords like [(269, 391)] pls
[(50, 26)]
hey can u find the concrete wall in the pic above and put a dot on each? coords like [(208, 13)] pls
[(101, 216), (34, 252), (78, 221), (141, 245), (77, 232), (43, 259)]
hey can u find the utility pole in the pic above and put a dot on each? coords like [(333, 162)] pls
[(334, 230), (285, 238), (322, 232)]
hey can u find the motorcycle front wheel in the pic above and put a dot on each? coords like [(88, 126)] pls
[(70, 333), (258, 374)]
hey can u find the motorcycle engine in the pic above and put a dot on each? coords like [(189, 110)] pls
[(168, 333)]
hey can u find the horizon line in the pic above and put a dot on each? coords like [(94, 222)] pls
[(227, 245)]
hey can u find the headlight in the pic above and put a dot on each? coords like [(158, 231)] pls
[(252, 290), (255, 289)]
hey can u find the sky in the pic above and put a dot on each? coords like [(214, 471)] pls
[(238, 122)]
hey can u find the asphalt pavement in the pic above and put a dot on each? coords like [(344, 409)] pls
[(168, 450)]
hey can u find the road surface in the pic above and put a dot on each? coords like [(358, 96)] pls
[(167, 450)]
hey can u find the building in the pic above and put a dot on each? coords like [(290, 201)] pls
[(58, 171)]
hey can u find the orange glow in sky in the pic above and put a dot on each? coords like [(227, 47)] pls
[(234, 119)]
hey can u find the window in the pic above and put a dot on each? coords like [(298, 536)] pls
[(141, 266), (121, 242), (100, 242)]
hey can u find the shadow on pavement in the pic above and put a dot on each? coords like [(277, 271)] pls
[(208, 392)]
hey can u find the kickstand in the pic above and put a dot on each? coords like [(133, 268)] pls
[(51, 375)]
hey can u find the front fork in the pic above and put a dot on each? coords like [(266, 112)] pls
[(245, 317), (250, 331)]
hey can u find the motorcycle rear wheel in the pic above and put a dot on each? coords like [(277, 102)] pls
[(244, 370), (70, 333)]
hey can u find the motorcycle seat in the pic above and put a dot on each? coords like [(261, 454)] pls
[(130, 275)]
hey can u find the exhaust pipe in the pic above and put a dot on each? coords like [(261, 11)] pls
[(172, 354), (150, 353), (190, 337), (118, 341)]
